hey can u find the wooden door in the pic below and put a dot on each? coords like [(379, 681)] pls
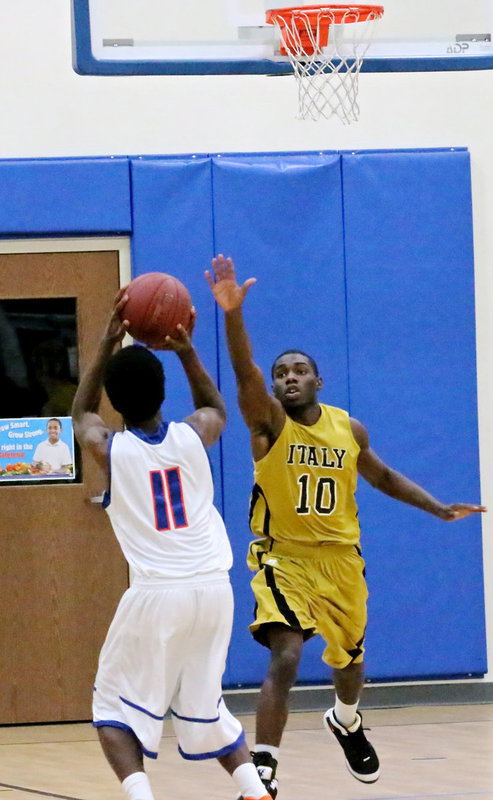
[(61, 570)]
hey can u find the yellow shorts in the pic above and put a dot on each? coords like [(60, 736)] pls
[(314, 589)]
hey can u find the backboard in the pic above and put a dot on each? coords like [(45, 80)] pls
[(193, 37)]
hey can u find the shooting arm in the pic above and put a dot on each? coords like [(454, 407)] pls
[(89, 391), (90, 430), (204, 390), (209, 418)]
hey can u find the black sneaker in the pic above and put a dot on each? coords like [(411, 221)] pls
[(266, 768), (361, 759)]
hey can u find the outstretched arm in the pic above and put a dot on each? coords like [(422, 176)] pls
[(90, 430), (262, 412), (210, 415), (396, 485)]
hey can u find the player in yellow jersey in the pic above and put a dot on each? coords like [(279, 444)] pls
[(309, 573)]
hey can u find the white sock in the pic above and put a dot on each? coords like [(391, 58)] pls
[(137, 787), (248, 782), (345, 714), (267, 748)]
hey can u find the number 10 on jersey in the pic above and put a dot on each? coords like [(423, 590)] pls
[(324, 496)]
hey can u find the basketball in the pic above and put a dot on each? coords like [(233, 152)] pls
[(156, 304)]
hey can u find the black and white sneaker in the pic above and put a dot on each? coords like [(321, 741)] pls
[(361, 759), (266, 767)]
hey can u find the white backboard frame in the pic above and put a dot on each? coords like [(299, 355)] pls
[(235, 39)]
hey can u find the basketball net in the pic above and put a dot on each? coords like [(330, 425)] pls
[(325, 66)]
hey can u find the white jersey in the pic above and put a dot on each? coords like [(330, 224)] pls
[(160, 504)]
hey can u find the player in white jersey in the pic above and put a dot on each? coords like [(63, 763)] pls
[(167, 644)]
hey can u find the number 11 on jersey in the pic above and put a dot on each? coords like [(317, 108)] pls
[(167, 494)]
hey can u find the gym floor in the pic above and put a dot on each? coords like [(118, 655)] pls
[(425, 752)]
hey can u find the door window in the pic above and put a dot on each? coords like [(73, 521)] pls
[(38, 379)]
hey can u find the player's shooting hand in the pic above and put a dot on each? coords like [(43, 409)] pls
[(228, 293), (181, 342), (460, 510), (117, 327)]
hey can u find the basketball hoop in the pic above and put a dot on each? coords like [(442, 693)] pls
[(326, 66)]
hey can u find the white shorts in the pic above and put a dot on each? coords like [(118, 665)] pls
[(166, 649)]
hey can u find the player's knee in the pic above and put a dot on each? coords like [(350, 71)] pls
[(284, 665)]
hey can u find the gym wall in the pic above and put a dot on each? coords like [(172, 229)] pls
[(365, 260)]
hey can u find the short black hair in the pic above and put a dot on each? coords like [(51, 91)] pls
[(54, 419), (134, 382), (310, 360)]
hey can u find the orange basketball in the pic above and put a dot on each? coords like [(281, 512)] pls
[(156, 304)]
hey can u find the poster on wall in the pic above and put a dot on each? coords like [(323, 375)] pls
[(36, 448)]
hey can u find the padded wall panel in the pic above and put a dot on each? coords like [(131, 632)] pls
[(281, 219), (172, 232), (408, 245), (64, 196), (408, 240)]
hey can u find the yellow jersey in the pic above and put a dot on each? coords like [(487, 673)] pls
[(305, 485)]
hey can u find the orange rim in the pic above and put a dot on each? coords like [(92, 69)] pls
[(311, 16), (337, 12)]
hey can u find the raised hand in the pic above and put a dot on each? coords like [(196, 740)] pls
[(181, 342), (227, 292), (117, 327), (459, 510)]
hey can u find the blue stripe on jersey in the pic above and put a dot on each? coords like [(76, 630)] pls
[(159, 499), (176, 497), (230, 748), (107, 493), (151, 438), (140, 708)]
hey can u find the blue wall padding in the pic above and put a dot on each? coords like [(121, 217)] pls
[(281, 218), (172, 222), (364, 260), (412, 372), (64, 196)]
